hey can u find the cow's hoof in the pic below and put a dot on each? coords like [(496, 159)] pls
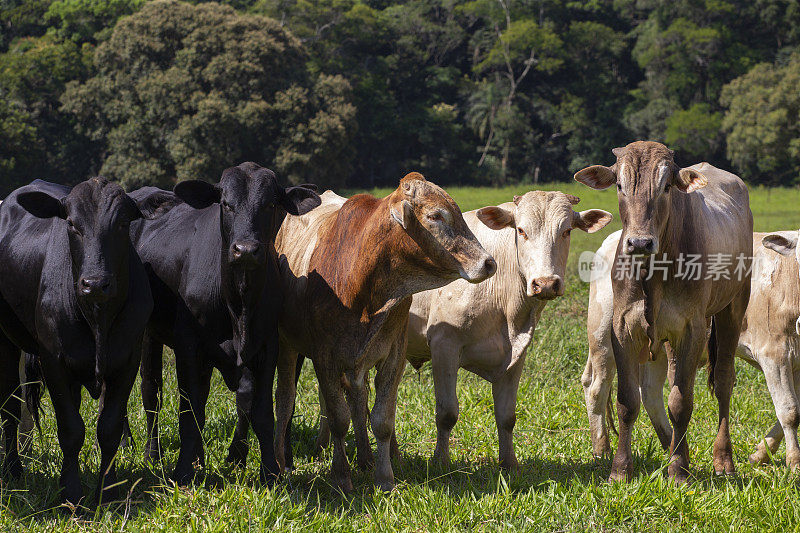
[(724, 466), (183, 477), (365, 463), (678, 474), (509, 464), (344, 484), (758, 457), (793, 461), (12, 469), (237, 456), (441, 458)]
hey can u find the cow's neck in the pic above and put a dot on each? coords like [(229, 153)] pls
[(242, 291), (382, 264)]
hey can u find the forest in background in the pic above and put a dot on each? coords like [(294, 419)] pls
[(355, 93)]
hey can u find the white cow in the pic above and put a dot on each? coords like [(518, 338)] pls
[(770, 341), (486, 328)]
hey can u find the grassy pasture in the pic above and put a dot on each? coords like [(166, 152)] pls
[(559, 487)]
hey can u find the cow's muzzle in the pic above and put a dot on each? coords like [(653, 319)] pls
[(641, 245), (484, 268), (247, 253), (97, 288), (546, 288)]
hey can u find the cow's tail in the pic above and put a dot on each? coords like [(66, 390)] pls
[(712, 354), (610, 411), (33, 387)]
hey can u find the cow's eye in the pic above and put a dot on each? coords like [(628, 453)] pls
[(522, 233), (667, 186), (226, 206), (619, 187), (435, 216), (567, 232), (71, 225)]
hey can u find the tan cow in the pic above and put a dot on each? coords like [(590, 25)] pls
[(769, 341), (349, 270), (486, 328), (679, 214)]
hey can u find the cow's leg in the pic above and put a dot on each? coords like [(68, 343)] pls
[(287, 446), (152, 393), (728, 323), (26, 423), (239, 447), (771, 441), (10, 392), (338, 415), (780, 382), (387, 382), (653, 375), (324, 434), (504, 394), (445, 360), (681, 398), (110, 425), (261, 411), (193, 382), (626, 357), (597, 380), (285, 395), (66, 397), (357, 398)]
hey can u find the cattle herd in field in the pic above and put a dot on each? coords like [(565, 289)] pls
[(250, 277)]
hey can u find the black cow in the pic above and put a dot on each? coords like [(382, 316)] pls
[(73, 291), (213, 272)]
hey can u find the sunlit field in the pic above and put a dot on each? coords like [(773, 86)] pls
[(559, 486)]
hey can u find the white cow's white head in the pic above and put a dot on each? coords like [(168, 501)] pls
[(542, 222), (785, 244)]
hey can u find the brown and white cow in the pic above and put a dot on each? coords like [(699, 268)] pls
[(349, 269), (769, 341), (486, 328), (677, 213)]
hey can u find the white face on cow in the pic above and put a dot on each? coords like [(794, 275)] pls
[(542, 223), (785, 245)]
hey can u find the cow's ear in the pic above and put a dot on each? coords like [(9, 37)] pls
[(779, 243), (42, 205), (597, 176), (300, 200), (197, 193), (156, 204), (402, 212), (591, 220), (495, 217), (689, 180)]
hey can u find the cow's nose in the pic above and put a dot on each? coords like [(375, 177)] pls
[(490, 267), (247, 251), (641, 246), (97, 287), (547, 287)]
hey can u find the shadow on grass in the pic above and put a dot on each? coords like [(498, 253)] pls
[(35, 496)]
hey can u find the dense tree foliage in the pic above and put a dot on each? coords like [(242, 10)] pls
[(358, 92)]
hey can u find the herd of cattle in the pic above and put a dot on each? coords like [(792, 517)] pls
[(250, 277)]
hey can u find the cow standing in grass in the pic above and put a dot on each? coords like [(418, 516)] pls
[(700, 211), (74, 292), (214, 272), (769, 341), (487, 328), (349, 269)]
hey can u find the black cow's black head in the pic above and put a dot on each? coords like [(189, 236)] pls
[(252, 207), (97, 214)]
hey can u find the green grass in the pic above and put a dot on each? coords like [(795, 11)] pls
[(559, 487)]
